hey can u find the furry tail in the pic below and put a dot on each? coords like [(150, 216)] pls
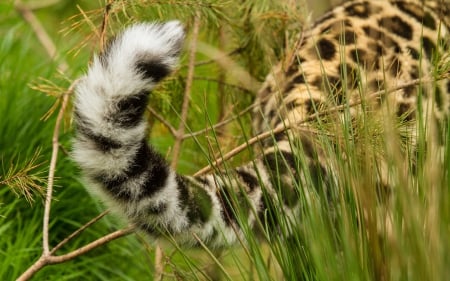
[(123, 169), (110, 101)]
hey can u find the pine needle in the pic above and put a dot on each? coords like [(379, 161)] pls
[(26, 179)]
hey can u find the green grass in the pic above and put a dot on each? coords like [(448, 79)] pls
[(334, 241)]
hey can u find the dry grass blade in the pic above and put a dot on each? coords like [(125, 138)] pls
[(28, 180)]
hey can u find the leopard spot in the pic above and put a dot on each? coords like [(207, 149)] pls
[(359, 9), (396, 66), (363, 58), (377, 48), (428, 46), (413, 52), (396, 25), (405, 112), (326, 49), (438, 98), (292, 69), (409, 91), (346, 38), (414, 72), (417, 13), (349, 74), (382, 37), (312, 106)]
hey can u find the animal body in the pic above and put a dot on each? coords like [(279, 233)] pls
[(355, 63)]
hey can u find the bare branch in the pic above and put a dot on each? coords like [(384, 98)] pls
[(161, 119), (49, 259), (187, 92), (78, 231), (51, 173)]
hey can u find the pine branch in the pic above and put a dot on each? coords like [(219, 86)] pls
[(25, 180)]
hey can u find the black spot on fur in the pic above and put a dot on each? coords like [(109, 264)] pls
[(291, 105), (438, 99), (292, 69), (183, 192), (250, 180), (280, 161), (156, 176), (299, 79), (358, 9), (130, 110), (142, 159), (409, 91), (152, 69), (428, 46), (228, 211), (428, 21), (329, 84), (396, 66), (377, 48), (202, 180), (312, 106), (102, 143), (417, 13), (359, 56), (346, 38), (326, 49), (414, 72), (114, 186), (377, 35), (448, 87), (349, 74), (404, 111), (414, 53), (396, 25)]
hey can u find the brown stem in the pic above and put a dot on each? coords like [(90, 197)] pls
[(78, 231), (187, 92), (49, 259), (51, 173), (161, 119)]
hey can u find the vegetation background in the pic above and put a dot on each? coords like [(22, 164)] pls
[(253, 35)]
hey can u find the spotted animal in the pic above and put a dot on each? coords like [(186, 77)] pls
[(363, 59)]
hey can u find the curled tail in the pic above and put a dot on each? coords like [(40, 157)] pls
[(125, 171)]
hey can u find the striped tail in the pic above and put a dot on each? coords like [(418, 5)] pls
[(130, 176)]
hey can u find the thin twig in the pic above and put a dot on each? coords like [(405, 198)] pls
[(51, 173), (78, 231), (89, 247), (161, 119), (285, 127), (187, 92), (49, 259), (105, 25)]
